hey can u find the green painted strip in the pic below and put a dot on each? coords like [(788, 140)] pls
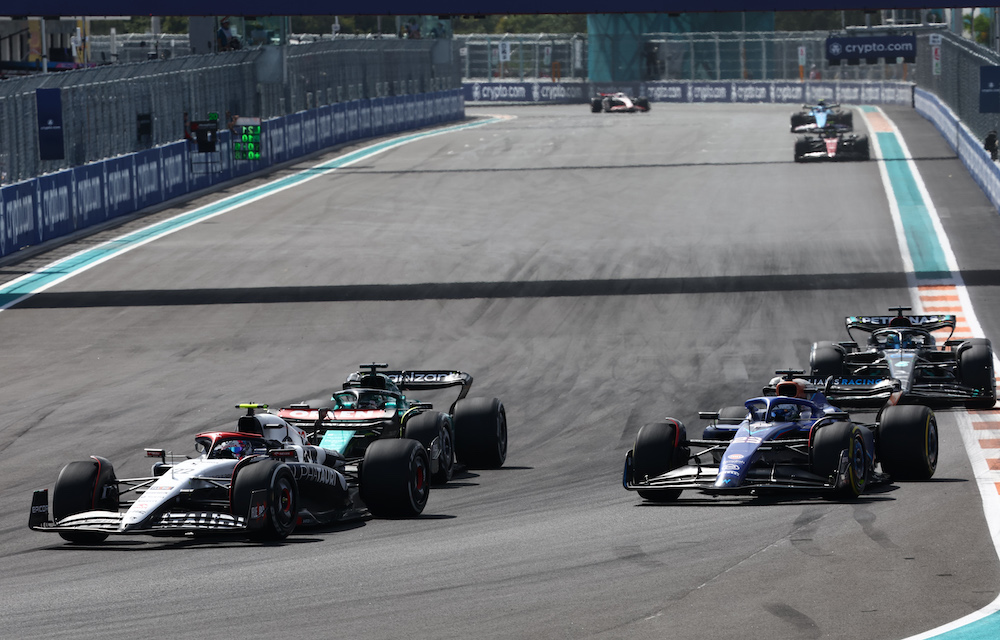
[(921, 238)]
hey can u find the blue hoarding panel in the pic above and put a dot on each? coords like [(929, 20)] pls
[(148, 184), (119, 185), (88, 195), (48, 103), (20, 227), (55, 205)]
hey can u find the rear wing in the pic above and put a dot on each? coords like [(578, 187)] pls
[(418, 379), (870, 324)]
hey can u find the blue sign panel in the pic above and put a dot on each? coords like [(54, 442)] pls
[(19, 227), (119, 185), (148, 187), (989, 89), (88, 195), (870, 48), (50, 125), (55, 200)]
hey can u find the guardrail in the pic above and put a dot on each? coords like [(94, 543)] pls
[(57, 204), (848, 92)]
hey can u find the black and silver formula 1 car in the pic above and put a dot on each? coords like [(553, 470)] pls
[(789, 440), (901, 362), (261, 479), (831, 144), (618, 102), (821, 116), (371, 406)]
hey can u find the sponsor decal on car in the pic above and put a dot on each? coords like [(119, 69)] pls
[(748, 440), (735, 456)]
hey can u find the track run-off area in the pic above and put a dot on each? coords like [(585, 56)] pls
[(594, 271)]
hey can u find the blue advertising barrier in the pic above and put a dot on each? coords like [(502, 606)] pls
[(19, 213), (54, 202), (88, 195), (57, 204)]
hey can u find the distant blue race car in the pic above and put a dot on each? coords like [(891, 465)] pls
[(821, 116), (790, 439)]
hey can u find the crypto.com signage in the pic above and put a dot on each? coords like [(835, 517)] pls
[(870, 49)]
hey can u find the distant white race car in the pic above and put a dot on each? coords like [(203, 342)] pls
[(616, 102)]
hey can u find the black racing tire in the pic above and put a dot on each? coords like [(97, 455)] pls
[(824, 456), (425, 428), (282, 497), (595, 105), (659, 447), (863, 148), (826, 359), (85, 485), (642, 103), (799, 119), (907, 444), (395, 478), (845, 118), (975, 366), (801, 149), (481, 433)]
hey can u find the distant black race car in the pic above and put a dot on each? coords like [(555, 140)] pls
[(821, 116), (618, 102), (902, 363), (831, 144)]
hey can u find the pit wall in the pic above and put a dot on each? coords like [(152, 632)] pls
[(58, 204)]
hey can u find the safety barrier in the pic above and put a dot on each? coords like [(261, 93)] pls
[(968, 147), (847, 92), (57, 204)]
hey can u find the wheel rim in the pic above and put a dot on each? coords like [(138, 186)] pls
[(419, 485), (447, 459), (932, 444), (284, 506), (502, 434), (857, 462)]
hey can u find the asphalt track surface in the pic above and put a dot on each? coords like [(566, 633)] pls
[(596, 272)]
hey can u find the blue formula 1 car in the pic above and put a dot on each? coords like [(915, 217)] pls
[(790, 439), (821, 116)]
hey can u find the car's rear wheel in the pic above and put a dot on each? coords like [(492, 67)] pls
[(659, 447), (395, 478), (828, 443), (642, 103), (801, 149), (908, 442), (425, 428), (975, 365), (85, 485), (798, 120), (862, 147), (481, 433), (595, 105)]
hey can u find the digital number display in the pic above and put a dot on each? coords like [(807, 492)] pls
[(246, 139)]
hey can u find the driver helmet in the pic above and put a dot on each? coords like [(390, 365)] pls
[(822, 102), (892, 341), (785, 413), (234, 449)]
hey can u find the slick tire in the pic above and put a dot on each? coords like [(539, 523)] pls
[(798, 120), (595, 105), (845, 118), (826, 359), (481, 433), (826, 445), (395, 478), (863, 148), (642, 103), (282, 497), (85, 485), (659, 447), (801, 149), (908, 442), (975, 366), (425, 428)]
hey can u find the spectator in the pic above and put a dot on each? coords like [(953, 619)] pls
[(815, 74), (990, 144), (226, 40)]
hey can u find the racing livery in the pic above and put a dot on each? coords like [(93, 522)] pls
[(902, 363), (832, 144), (790, 439), (618, 102), (821, 116), (372, 406), (262, 479)]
